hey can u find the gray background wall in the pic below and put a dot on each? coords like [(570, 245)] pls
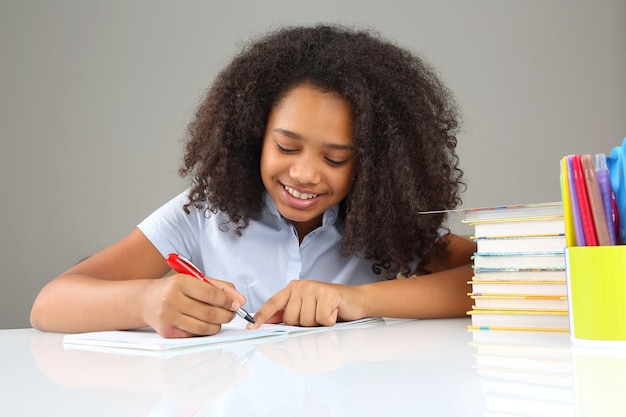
[(95, 97)]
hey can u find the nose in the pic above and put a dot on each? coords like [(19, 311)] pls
[(305, 170)]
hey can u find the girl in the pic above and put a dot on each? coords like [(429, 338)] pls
[(311, 157)]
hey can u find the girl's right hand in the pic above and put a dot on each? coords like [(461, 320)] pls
[(182, 306), (123, 287)]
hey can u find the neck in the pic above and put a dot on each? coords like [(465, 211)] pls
[(304, 228)]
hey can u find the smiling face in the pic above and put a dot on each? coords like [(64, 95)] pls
[(308, 156)]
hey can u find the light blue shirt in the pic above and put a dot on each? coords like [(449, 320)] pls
[(265, 258)]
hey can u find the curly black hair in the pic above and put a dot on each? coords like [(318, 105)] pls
[(405, 126)]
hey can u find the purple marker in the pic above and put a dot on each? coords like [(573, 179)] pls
[(602, 173)]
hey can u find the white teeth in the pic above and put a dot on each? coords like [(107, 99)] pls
[(301, 196)]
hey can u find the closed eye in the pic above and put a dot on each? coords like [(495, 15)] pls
[(334, 163), (284, 150)]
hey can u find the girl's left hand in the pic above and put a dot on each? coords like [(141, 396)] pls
[(312, 303)]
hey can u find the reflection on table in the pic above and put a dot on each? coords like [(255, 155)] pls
[(399, 368)]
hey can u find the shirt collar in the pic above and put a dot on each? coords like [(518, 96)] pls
[(328, 219)]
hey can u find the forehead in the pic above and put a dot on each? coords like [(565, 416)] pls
[(305, 109)]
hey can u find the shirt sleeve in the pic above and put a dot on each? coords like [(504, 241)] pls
[(171, 230)]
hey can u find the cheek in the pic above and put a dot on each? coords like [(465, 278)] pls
[(265, 163), (268, 165), (343, 181)]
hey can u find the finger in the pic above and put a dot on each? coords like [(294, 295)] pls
[(326, 318), (273, 319), (307, 313), (229, 289), (327, 307), (173, 332), (319, 305), (318, 312), (272, 309), (184, 306), (276, 317), (203, 309), (211, 292), (199, 327), (186, 326), (293, 310)]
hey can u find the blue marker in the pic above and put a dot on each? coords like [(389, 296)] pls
[(616, 165)]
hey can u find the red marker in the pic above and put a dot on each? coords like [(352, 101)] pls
[(183, 265)]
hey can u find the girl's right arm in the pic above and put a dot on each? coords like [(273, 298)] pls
[(122, 287)]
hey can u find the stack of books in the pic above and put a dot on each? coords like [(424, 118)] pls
[(519, 268)]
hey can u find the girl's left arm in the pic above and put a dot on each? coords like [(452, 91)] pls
[(442, 293)]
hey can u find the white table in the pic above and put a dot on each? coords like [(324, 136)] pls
[(404, 368)]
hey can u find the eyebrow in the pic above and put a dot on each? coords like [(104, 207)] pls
[(297, 136)]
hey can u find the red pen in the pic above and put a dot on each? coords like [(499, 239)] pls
[(183, 265), (589, 229)]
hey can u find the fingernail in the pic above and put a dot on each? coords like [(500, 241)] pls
[(235, 306)]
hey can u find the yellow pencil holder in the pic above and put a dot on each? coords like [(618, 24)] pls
[(596, 284)]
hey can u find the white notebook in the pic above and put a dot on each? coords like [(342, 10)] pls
[(148, 340)]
